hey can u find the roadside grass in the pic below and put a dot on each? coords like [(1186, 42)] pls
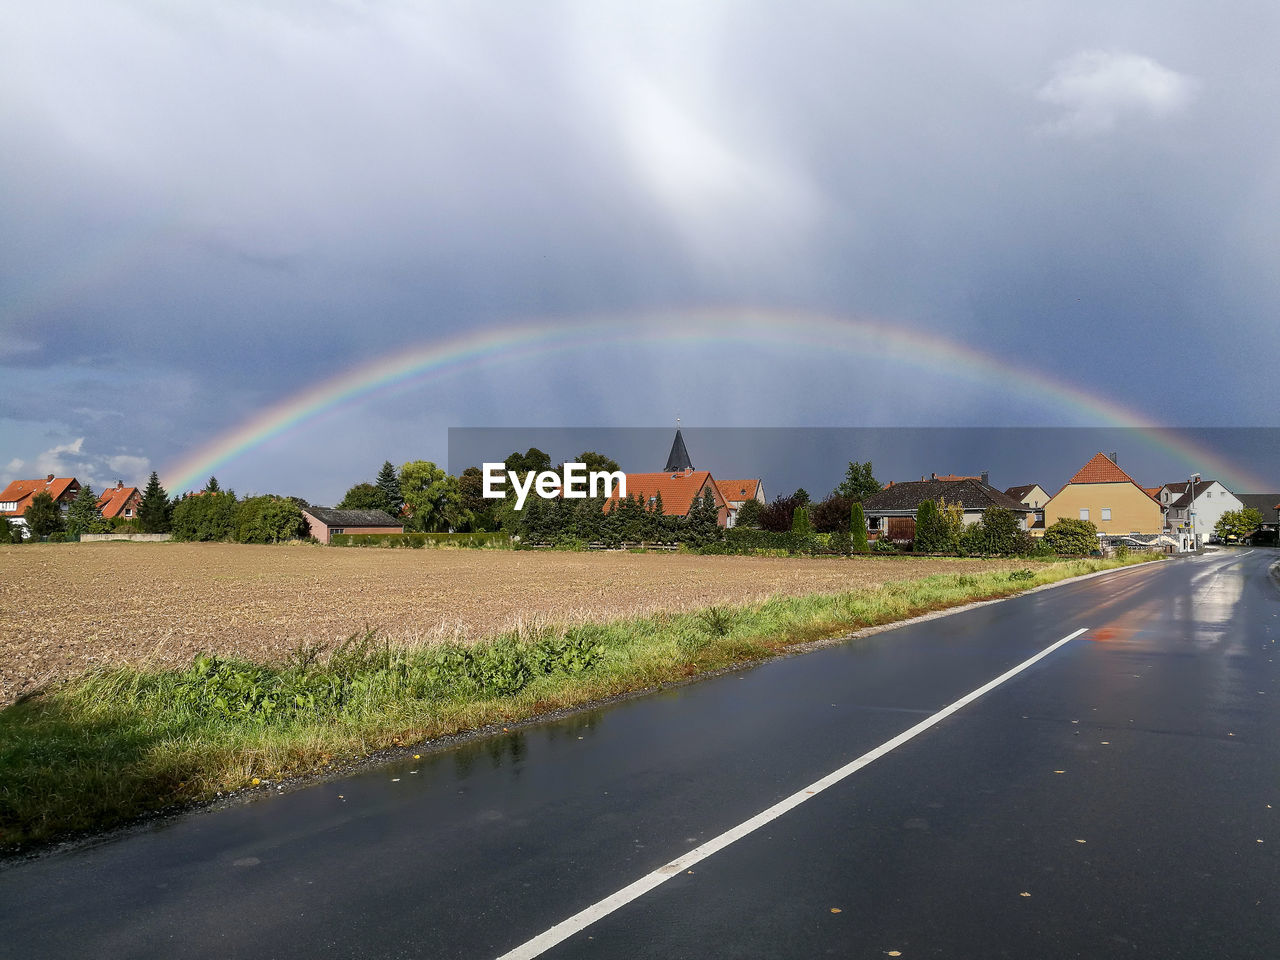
[(115, 744)]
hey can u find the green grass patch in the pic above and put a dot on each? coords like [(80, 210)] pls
[(112, 745)]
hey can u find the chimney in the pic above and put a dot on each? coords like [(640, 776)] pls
[(119, 484), (986, 478), (933, 476), (1112, 455), (49, 479)]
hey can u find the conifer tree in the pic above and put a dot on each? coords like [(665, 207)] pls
[(154, 509), (800, 521), (212, 486), (83, 516), (388, 481), (858, 528)]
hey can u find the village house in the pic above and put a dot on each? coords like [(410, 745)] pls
[(679, 486), (324, 523), (119, 501), (1110, 499), (891, 513), (17, 496), (678, 492), (738, 492), (1034, 496), (1205, 501)]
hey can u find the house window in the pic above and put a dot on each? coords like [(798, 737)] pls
[(1106, 513), (333, 530), (873, 523), (1084, 513), (128, 511)]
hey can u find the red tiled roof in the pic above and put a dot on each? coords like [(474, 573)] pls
[(677, 489), (21, 492), (735, 490), (1102, 469), (111, 503), (1152, 491)]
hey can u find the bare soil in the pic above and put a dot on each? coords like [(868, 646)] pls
[(65, 608)]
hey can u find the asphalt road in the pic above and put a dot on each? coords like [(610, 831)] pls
[(1117, 798)]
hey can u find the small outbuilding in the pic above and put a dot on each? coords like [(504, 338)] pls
[(324, 522)]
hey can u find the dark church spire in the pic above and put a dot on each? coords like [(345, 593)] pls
[(679, 459)]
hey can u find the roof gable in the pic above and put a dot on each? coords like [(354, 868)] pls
[(20, 491), (738, 490), (111, 503), (1102, 469)]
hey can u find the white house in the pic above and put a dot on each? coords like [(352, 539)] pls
[(1211, 500)]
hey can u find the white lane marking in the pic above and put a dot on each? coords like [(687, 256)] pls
[(597, 911)]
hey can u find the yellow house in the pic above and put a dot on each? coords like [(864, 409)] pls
[(1034, 496), (1108, 498)]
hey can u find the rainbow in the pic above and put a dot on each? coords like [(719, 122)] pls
[(747, 326)]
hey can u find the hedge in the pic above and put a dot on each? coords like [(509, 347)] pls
[(417, 541)]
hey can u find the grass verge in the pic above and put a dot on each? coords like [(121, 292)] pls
[(113, 745)]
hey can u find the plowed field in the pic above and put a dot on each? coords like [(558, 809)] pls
[(68, 607)]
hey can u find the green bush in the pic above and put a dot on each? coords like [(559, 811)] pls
[(1071, 536), (204, 517), (268, 519)]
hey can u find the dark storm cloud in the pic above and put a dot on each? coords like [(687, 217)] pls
[(246, 197)]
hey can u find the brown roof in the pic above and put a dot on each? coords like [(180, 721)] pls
[(21, 492), (972, 494), (736, 490), (1019, 492), (113, 502), (677, 489)]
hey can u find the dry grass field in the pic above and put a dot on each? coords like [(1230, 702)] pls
[(67, 607)]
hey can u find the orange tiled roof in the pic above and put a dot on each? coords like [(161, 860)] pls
[(677, 489), (1102, 469), (21, 492), (1151, 491), (736, 490), (952, 477), (111, 503)]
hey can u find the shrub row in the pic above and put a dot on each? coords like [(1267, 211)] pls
[(417, 541)]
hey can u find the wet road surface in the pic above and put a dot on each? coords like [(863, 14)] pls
[(1116, 798)]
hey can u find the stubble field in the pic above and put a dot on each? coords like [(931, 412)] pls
[(65, 608)]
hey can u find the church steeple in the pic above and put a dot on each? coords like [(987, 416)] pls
[(679, 458)]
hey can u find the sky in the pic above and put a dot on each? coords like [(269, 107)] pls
[(209, 209)]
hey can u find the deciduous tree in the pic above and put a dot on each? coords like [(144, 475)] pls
[(859, 482), (365, 496), (431, 497), (1237, 524), (43, 516)]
